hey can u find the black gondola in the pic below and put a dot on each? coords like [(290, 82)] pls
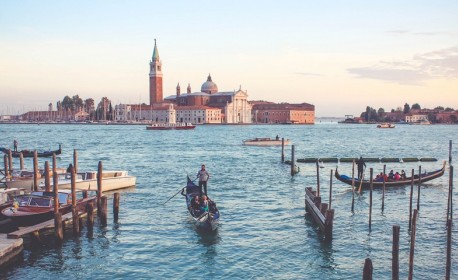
[(29, 153), (207, 221), (425, 177)]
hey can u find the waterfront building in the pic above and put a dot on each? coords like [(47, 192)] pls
[(416, 118), (283, 113)]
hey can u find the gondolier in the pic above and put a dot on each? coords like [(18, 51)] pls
[(203, 176), (361, 165)]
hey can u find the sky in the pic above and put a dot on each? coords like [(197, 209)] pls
[(340, 56)]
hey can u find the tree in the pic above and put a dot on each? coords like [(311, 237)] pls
[(77, 103), (448, 109), (67, 103), (406, 108), (381, 113), (454, 118), (439, 108), (416, 106)]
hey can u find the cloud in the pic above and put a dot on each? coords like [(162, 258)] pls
[(421, 67)]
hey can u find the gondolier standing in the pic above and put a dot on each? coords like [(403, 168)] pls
[(15, 145), (361, 166), (203, 176)]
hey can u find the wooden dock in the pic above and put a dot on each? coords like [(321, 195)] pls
[(320, 213), (9, 248)]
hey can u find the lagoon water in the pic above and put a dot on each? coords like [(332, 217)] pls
[(264, 230)]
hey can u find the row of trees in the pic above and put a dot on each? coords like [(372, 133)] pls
[(373, 115), (103, 111)]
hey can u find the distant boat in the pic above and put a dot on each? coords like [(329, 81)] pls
[(29, 153), (171, 126), (386, 125), (421, 122), (265, 142)]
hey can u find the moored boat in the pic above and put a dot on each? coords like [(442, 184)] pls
[(171, 126), (111, 180), (204, 220), (29, 153), (37, 207), (265, 142), (24, 178), (386, 125), (425, 177)]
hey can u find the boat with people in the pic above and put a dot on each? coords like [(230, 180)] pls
[(206, 218), (265, 142), (29, 153), (37, 207), (377, 183), (386, 125), (111, 180), (171, 126)]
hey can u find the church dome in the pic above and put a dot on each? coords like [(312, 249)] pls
[(209, 86)]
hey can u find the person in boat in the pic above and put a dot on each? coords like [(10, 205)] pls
[(195, 204), (361, 166), (204, 204), (391, 175), (69, 168), (277, 138), (15, 145), (403, 175), (203, 176), (397, 176), (380, 177)]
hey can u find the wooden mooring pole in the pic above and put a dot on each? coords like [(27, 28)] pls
[(450, 195), (35, 170), (75, 160), (116, 207), (21, 161), (5, 165), (90, 216), (283, 150), (450, 152), (103, 211), (419, 184), (54, 169), (330, 189), (411, 201), (99, 186), (395, 253), (383, 192), (368, 268), (317, 178), (293, 160), (412, 243), (58, 230), (75, 216), (370, 198), (353, 187), (448, 263), (10, 161), (47, 178)]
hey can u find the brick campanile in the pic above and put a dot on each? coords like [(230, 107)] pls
[(155, 78)]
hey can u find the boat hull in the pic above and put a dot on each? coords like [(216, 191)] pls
[(425, 177), (271, 142)]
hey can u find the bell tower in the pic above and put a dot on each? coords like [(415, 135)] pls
[(155, 78)]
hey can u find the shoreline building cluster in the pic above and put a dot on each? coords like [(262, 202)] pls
[(208, 106)]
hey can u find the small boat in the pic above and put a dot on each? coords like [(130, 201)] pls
[(24, 178), (425, 177), (171, 126), (386, 125), (207, 221), (29, 153), (264, 142), (37, 207), (111, 180), (7, 197)]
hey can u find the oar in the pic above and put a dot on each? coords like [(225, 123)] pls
[(173, 195), (361, 183)]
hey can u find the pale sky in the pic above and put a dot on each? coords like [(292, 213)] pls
[(340, 56)]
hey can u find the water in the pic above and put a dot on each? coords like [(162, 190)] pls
[(264, 231)]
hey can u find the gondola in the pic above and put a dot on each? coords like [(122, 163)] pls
[(29, 153), (425, 177), (206, 221)]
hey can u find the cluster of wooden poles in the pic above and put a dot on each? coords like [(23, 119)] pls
[(314, 198), (76, 217)]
